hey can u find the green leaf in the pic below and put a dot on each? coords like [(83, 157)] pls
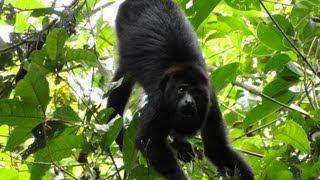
[(60, 147), (44, 11), (9, 174), (34, 90), (21, 116), (271, 37), (19, 135), (310, 169), (16, 113), (129, 150), (38, 171), (21, 24), (55, 43), (83, 56), (6, 57), (258, 49), (278, 170), (266, 108), (235, 23), (292, 133), (67, 114), (42, 134), (244, 5), (104, 115), (225, 75), (144, 173), (278, 85), (38, 63), (291, 72), (202, 10), (23, 4), (112, 131), (277, 62), (300, 12), (284, 24)]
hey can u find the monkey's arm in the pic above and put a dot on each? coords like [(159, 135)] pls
[(152, 142), (217, 147)]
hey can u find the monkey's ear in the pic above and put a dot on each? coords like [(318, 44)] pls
[(163, 82)]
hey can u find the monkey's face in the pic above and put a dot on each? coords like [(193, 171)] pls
[(187, 102)]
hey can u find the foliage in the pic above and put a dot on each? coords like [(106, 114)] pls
[(55, 67)]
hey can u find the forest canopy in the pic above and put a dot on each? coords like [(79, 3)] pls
[(57, 58)]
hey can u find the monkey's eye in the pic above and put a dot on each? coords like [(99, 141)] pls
[(181, 89)]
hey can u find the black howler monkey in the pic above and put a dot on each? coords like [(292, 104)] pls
[(158, 49)]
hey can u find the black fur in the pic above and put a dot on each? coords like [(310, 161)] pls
[(158, 49)]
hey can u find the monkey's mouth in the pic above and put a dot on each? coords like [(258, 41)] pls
[(187, 112)]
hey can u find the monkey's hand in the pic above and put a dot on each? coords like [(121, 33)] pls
[(184, 149)]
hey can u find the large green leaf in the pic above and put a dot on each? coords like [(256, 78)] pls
[(21, 116), (277, 170), (300, 12), (23, 4), (38, 171), (55, 43), (277, 62), (144, 173), (112, 131), (34, 90), (270, 36), (244, 5), (21, 24), (129, 150), (235, 23), (9, 174), (60, 147), (266, 108), (293, 134), (39, 63), (66, 114), (19, 135), (16, 113), (278, 85), (83, 56), (225, 75), (202, 10)]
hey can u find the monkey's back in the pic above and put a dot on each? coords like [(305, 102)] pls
[(153, 35)]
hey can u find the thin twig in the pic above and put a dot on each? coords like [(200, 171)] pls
[(232, 110), (290, 42), (114, 163), (254, 130), (114, 174), (251, 153), (101, 7), (27, 38), (221, 52), (65, 171)]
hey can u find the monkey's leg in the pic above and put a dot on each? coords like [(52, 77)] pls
[(216, 145), (152, 142), (119, 98)]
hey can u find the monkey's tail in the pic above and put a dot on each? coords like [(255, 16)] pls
[(118, 100)]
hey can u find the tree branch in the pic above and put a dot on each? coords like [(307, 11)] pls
[(258, 92)]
